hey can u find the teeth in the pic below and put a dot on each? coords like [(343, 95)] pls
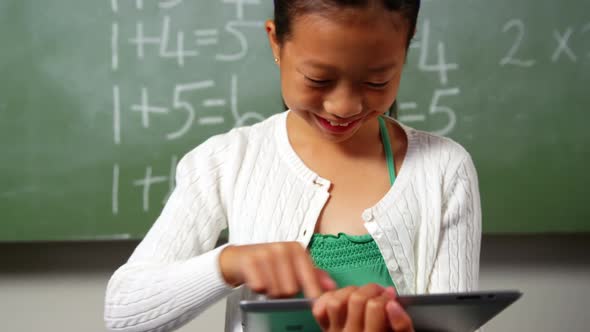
[(339, 124)]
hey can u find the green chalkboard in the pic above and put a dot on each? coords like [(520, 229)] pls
[(99, 100)]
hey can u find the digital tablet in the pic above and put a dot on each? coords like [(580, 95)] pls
[(455, 312)]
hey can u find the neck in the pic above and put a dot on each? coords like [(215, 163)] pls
[(365, 142)]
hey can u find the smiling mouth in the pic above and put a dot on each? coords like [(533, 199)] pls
[(339, 124), (336, 127)]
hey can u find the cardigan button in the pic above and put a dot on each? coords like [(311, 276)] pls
[(367, 215)]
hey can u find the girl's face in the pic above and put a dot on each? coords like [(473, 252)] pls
[(342, 69)]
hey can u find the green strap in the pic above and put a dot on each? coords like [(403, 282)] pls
[(388, 150)]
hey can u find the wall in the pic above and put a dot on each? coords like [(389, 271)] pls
[(60, 286)]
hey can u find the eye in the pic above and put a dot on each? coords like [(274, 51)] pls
[(377, 85), (317, 82)]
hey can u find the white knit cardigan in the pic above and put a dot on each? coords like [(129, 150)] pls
[(250, 180)]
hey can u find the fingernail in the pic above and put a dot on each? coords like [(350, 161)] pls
[(331, 283), (318, 307), (393, 307), (390, 291)]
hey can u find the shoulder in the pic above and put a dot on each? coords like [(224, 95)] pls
[(446, 162), (228, 149), (439, 159), (435, 150)]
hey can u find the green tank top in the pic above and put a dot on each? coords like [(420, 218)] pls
[(351, 260), (354, 260)]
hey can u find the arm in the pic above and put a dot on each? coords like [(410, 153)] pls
[(173, 274), (456, 266)]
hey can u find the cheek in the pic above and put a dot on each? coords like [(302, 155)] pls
[(299, 97), (382, 100)]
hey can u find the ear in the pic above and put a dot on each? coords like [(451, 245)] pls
[(271, 32)]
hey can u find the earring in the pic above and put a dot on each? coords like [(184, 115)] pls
[(276, 60)]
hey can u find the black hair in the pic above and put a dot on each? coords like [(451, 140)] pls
[(285, 11)]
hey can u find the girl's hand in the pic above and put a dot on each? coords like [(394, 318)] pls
[(368, 308), (280, 269)]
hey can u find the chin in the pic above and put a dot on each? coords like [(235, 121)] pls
[(338, 138)]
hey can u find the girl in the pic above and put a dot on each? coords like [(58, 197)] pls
[(331, 197)]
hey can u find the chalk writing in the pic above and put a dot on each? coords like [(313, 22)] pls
[(564, 50), (191, 101), (510, 59)]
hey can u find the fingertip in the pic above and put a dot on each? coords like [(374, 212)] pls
[(393, 308), (329, 284), (326, 281), (318, 311), (391, 292), (398, 317), (318, 308)]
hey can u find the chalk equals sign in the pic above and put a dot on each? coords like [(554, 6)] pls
[(410, 117), (212, 120), (206, 37)]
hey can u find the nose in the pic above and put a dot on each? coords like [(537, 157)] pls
[(344, 102)]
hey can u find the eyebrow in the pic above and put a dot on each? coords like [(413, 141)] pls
[(319, 65), (384, 67)]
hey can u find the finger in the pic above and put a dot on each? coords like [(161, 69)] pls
[(319, 312), (398, 318), (285, 273), (253, 277), (306, 273), (375, 314), (391, 292), (330, 301), (268, 264), (326, 281), (337, 307), (356, 305)]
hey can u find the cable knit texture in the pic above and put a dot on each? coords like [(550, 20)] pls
[(250, 180)]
